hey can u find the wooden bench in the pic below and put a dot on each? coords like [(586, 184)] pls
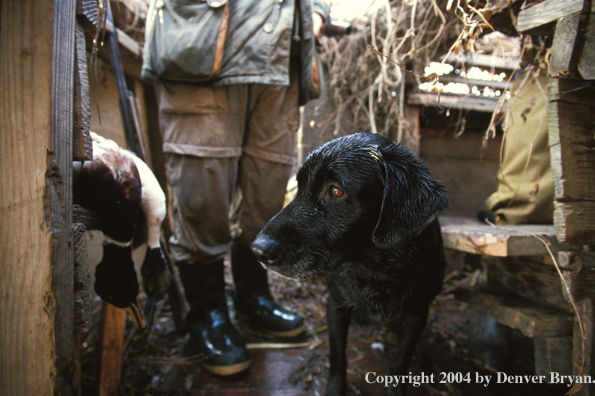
[(554, 288), (524, 288)]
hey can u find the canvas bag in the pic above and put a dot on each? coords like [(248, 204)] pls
[(184, 40)]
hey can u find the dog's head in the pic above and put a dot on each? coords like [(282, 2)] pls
[(355, 193)]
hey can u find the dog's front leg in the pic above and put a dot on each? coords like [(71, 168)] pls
[(337, 318), (408, 330)]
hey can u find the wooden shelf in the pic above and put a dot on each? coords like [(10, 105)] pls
[(467, 102), (471, 236), (482, 60)]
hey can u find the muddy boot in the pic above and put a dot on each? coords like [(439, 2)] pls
[(211, 330), (253, 298)]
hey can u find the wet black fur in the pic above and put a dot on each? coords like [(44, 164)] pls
[(379, 245)]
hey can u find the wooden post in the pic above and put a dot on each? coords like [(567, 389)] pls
[(36, 276), (411, 136), (583, 345), (113, 324), (570, 124), (571, 116)]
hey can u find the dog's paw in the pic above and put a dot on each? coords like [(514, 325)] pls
[(337, 386)]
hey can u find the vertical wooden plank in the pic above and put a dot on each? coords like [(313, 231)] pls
[(36, 337), (82, 146), (113, 323), (83, 305), (58, 193), (78, 368), (564, 59), (582, 349), (553, 354), (411, 131), (586, 66), (571, 116)]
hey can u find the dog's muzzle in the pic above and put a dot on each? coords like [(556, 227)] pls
[(266, 250)]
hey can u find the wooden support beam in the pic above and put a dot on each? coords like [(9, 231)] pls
[(125, 40), (113, 324), (541, 17), (514, 240), (502, 85), (571, 116), (58, 193), (586, 63), (579, 274), (36, 269), (482, 60), (83, 306), (533, 320), (566, 46), (26, 327), (474, 103), (582, 349), (570, 123), (527, 277), (411, 133), (553, 355), (82, 145), (574, 222)]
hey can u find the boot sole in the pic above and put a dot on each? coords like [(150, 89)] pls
[(227, 370), (280, 334)]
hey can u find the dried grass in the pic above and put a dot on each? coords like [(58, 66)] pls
[(370, 88)]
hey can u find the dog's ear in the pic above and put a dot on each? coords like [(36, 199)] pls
[(411, 198)]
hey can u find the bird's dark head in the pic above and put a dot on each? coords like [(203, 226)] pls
[(116, 281)]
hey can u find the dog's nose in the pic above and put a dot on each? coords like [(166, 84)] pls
[(266, 250)]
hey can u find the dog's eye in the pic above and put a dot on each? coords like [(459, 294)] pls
[(337, 192)]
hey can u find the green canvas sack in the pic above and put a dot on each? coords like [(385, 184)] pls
[(184, 40)]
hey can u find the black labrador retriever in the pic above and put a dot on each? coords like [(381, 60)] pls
[(365, 215)]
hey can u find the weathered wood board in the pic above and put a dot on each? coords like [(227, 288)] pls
[(545, 14), (586, 63), (36, 268), (582, 350), (514, 240), (553, 354), (26, 361), (579, 274), (575, 222), (82, 146), (83, 308), (571, 136), (564, 60), (533, 320), (528, 278), (113, 324), (571, 123), (452, 101)]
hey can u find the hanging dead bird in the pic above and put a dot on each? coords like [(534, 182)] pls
[(155, 271), (115, 185)]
